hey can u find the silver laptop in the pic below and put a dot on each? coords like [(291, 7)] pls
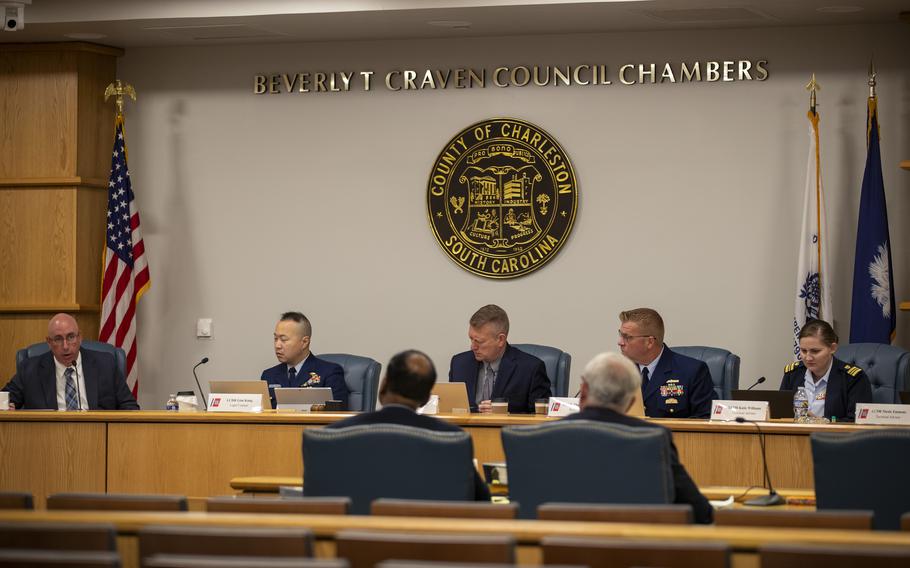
[(243, 387), (301, 398), (452, 396)]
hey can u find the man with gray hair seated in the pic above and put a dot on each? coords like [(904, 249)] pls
[(608, 386)]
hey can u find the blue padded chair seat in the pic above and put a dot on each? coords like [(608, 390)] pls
[(887, 366), (557, 362), (863, 470), (362, 377), (578, 461), (375, 461), (724, 367)]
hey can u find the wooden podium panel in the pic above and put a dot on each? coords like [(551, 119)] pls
[(198, 459), (50, 457), (197, 454)]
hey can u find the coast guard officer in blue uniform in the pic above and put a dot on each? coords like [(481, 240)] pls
[(672, 385), (297, 366)]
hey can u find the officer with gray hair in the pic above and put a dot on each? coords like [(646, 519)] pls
[(608, 386)]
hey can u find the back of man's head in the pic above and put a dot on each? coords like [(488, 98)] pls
[(410, 375), (612, 380)]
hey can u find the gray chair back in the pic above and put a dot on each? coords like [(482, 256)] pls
[(887, 366), (387, 460), (724, 367), (863, 471), (37, 349), (362, 377), (587, 469), (557, 362)]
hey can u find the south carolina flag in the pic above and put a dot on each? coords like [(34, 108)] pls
[(872, 315), (813, 288)]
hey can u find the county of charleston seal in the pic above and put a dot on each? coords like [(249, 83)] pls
[(502, 197)]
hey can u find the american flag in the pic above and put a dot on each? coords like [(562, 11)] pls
[(126, 272)]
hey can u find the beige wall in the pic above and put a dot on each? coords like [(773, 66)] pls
[(690, 195)]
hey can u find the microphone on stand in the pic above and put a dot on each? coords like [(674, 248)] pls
[(201, 394), (772, 498), (756, 383), (78, 392)]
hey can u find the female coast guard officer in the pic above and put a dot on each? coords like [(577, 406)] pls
[(834, 387)]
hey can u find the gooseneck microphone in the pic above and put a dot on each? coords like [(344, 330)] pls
[(756, 383), (205, 360), (78, 392), (772, 498)]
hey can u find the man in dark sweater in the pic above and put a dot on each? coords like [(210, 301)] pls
[(608, 386)]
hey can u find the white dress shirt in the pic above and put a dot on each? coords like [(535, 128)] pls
[(78, 378)]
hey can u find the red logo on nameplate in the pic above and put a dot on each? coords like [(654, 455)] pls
[(216, 402), (864, 413)]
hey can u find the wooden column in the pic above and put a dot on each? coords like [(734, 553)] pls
[(56, 134)]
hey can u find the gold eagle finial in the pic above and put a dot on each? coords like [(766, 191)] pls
[(118, 89)]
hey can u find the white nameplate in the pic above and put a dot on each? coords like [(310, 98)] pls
[(891, 414), (729, 410), (4, 401), (233, 402), (431, 407), (562, 406)]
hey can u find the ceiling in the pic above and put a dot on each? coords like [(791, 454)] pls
[(135, 23)]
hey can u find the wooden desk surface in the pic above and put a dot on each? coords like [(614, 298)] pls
[(525, 531), (198, 454)]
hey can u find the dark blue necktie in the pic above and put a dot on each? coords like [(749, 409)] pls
[(644, 379), (292, 374)]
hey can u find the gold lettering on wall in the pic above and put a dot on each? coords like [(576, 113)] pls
[(561, 76)]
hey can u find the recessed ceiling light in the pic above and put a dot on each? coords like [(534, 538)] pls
[(84, 36), (839, 9), (454, 24)]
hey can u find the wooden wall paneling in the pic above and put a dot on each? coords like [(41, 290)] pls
[(18, 331), (91, 212), (37, 253), (50, 457), (721, 458), (38, 110), (95, 116)]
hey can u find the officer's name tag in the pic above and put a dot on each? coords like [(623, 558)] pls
[(562, 406), (729, 410), (891, 414), (233, 402)]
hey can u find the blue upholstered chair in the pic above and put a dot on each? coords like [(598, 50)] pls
[(387, 460), (362, 377), (577, 461), (558, 364), (864, 470), (724, 367), (887, 366), (41, 348)]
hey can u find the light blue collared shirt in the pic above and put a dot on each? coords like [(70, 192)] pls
[(817, 391), (652, 365)]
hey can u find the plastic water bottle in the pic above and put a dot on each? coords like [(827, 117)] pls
[(171, 402), (801, 405)]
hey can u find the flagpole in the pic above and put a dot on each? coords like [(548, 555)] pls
[(813, 87)]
